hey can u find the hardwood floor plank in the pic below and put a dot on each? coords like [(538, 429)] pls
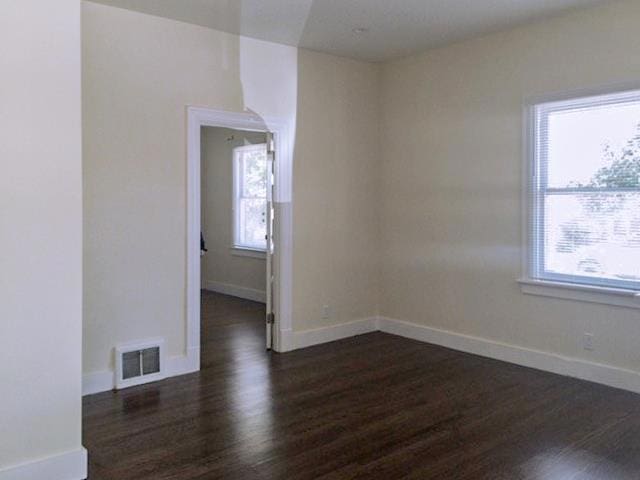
[(369, 407)]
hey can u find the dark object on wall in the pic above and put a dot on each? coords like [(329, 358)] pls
[(203, 245)]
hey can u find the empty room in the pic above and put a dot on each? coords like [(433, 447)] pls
[(320, 239)]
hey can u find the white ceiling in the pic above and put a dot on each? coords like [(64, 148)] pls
[(396, 28)]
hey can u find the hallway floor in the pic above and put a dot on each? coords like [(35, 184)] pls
[(370, 407)]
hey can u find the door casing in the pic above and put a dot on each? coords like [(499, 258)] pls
[(198, 117)]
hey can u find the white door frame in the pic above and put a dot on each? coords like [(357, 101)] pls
[(197, 118)]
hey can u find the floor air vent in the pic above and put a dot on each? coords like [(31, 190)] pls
[(138, 363)]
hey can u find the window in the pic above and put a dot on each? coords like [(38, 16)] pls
[(250, 197), (584, 177)]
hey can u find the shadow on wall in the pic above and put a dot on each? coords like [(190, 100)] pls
[(335, 182)]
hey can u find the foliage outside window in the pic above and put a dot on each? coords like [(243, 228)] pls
[(250, 197)]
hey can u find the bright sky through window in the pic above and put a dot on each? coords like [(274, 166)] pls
[(578, 139)]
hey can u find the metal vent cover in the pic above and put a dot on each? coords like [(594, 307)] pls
[(139, 363)]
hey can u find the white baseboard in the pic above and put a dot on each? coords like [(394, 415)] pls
[(307, 338), (283, 341), (104, 381), (289, 340), (236, 291), (183, 364), (97, 382), (550, 362), (68, 466)]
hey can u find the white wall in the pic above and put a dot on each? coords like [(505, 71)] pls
[(40, 233), (438, 213), (336, 257), (220, 266), (139, 74), (451, 182)]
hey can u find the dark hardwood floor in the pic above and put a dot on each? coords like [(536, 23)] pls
[(370, 407)]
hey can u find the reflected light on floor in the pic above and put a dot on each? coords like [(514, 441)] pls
[(251, 399), (573, 465)]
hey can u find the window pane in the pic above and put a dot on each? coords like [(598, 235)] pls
[(255, 173), (253, 224), (593, 235), (594, 147)]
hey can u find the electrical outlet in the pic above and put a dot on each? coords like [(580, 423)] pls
[(326, 311), (587, 341)]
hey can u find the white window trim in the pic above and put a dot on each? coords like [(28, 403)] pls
[(236, 247), (248, 252), (530, 285), (584, 293)]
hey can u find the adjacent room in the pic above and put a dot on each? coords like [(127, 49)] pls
[(321, 239), (233, 263)]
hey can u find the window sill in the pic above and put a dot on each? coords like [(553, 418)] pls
[(585, 293), (248, 252)]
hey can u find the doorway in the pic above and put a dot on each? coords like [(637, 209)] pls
[(234, 220), (249, 130)]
